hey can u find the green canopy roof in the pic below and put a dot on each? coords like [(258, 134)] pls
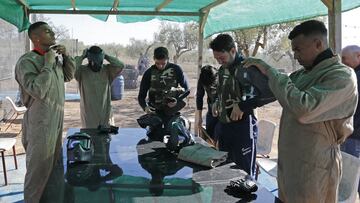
[(221, 15), (239, 14)]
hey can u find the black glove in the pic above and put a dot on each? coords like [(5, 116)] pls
[(109, 130), (243, 185)]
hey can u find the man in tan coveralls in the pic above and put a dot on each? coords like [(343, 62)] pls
[(318, 103), (41, 76), (95, 80)]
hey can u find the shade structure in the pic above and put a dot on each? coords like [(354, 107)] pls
[(216, 15)]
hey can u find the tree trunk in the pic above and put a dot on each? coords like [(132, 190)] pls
[(148, 48), (293, 61), (262, 32), (278, 59), (175, 58)]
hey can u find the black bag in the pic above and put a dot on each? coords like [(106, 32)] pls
[(150, 120)]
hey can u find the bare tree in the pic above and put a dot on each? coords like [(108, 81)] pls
[(272, 39), (254, 37), (138, 46), (61, 32), (113, 49), (183, 39)]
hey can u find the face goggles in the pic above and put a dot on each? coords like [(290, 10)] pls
[(80, 148)]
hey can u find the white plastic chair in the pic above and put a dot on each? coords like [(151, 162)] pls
[(263, 147), (5, 145), (348, 188), (17, 111)]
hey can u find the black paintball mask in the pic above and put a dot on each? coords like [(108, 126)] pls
[(95, 56), (80, 148)]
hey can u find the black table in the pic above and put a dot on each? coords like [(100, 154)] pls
[(128, 168)]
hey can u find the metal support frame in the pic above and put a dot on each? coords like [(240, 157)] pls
[(162, 5), (204, 13), (115, 5), (73, 4), (115, 12), (334, 19)]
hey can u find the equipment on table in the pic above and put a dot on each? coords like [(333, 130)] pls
[(80, 148)]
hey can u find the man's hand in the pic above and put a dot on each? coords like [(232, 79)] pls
[(236, 113), (106, 57), (60, 49), (172, 104), (260, 64), (214, 109), (84, 54), (148, 110)]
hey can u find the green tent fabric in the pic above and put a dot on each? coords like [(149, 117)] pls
[(11, 12), (230, 15), (241, 14)]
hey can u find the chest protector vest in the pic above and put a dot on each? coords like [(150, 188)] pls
[(160, 84), (211, 93)]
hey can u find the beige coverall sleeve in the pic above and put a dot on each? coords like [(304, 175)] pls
[(321, 102), (115, 67), (78, 66), (68, 68), (34, 83)]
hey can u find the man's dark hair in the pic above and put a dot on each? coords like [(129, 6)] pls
[(222, 43), (207, 75), (161, 53), (95, 50), (307, 28), (35, 26)]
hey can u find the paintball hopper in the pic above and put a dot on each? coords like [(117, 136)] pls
[(255, 78), (80, 148)]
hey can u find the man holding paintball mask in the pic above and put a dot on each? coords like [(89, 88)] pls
[(166, 86), (95, 80)]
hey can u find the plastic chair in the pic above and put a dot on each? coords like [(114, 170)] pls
[(5, 145), (263, 147), (348, 188), (17, 111)]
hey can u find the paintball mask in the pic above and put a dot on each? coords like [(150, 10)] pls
[(80, 148), (95, 56)]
